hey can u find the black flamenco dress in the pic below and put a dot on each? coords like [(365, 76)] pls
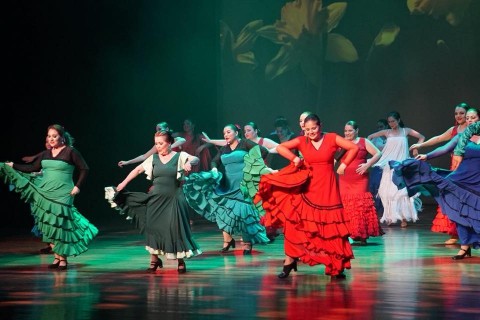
[(162, 213)]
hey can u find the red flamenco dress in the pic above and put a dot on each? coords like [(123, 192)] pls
[(305, 202), (441, 223), (357, 200)]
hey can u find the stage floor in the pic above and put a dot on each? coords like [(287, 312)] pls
[(406, 274)]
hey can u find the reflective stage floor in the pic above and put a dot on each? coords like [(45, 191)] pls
[(406, 274)]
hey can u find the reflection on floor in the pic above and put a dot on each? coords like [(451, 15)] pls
[(406, 274)]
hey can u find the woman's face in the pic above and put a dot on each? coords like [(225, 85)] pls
[(229, 135), (350, 133), (392, 122), (380, 126), (282, 132), (301, 120), (54, 140), (161, 144), (471, 117), (460, 115), (250, 133), (188, 126), (312, 130)]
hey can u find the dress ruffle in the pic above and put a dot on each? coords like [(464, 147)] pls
[(233, 212), (254, 168), (459, 202), (316, 235), (59, 223), (359, 211), (442, 224)]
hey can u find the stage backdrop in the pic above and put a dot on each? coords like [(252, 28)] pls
[(109, 71)]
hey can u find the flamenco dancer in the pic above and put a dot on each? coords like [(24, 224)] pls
[(357, 201), (51, 195), (304, 200), (457, 192), (441, 223), (224, 198), (163, 211)]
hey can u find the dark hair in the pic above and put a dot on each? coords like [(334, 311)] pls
[(66, 137), (474, 110), (396, 116), (165, 133), (384, 122), (353, 124), (313, 117), (161, 125), (195, 136), (234, 127), (306, 113), (463, 105), (254, 126), (281, 122)]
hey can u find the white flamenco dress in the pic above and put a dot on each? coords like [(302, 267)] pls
[(398, 205)]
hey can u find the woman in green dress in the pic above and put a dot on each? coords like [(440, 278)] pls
[(51, 195), (163, 211)]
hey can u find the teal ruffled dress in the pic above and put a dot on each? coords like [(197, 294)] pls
[(229, 202), (51, 204)]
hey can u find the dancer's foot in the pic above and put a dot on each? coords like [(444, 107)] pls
[(247, 248), (465, 251), (451, 241), (182, 268)]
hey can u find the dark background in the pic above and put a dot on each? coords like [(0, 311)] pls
[(110, 70)]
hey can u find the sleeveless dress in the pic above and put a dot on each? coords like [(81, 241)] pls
[(227, 202), (192, 143), (164, 212), (357, 201), (397, 204), (457, 192), (441, 223), (56, 218), (306, 203)]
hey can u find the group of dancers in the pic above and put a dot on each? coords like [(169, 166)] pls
[(318, 199)]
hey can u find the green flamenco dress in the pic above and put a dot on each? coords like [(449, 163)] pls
[(230, 204), (52, 205)]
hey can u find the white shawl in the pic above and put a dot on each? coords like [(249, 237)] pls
[(148, 165)]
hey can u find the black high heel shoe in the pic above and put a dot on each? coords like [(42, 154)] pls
[(154, 265), (63, 267), (466, 253), (182, 268), (54, 264), (287, 269), (230, 243), (248, 249)]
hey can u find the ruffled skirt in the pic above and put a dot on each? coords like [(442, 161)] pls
[(59, 223), (163, 219), (233, 212), (359, 211), (459, 202), (314, 234)]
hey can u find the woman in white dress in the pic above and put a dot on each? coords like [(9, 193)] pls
[(397, 204)]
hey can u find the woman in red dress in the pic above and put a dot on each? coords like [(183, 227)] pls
[(357, 201), (194, 145), (304, 200)]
